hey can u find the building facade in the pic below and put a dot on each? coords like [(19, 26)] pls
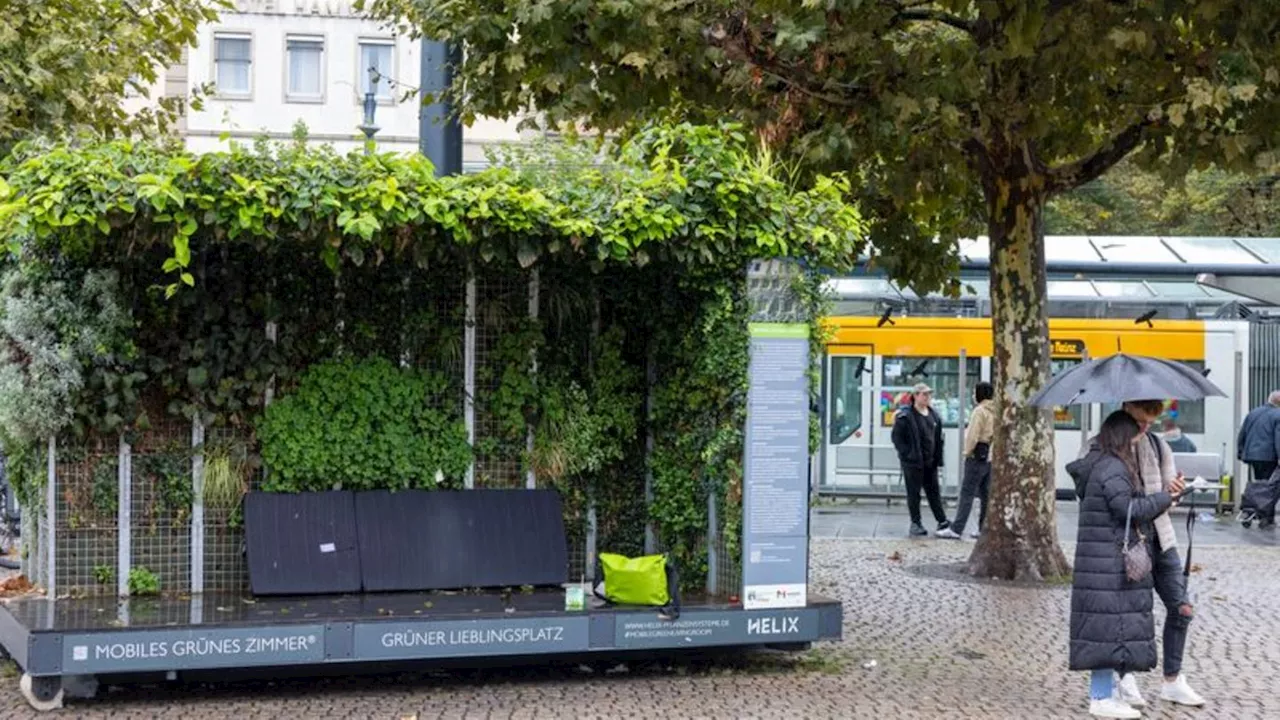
[(277, 67)]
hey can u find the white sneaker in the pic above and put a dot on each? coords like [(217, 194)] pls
[(1112, 708), (974, 534), (948, 534), (1128, 693), (1180, 692)]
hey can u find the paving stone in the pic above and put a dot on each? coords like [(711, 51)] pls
[(943, 646)]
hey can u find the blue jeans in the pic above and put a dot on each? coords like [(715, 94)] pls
[(1101, 684)]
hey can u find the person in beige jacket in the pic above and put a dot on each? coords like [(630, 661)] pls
[(1160, 474), (976, 482)]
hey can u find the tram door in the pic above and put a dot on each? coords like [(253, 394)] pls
[(849, 458)]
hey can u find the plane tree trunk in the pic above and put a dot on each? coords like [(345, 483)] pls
[(1020, 541)]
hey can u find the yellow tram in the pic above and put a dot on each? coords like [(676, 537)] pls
[(869, 368)]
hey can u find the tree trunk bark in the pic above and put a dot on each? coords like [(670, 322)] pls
[(1020, 540)]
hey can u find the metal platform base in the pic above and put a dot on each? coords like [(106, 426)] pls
[(55, 639)]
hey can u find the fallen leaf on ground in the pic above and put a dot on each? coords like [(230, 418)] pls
[(1220, 598), (1195, 568), (16, 585), (895, 557)]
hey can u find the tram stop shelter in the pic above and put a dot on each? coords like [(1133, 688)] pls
[(613, 359)]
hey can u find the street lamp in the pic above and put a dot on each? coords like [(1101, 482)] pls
[(370, 108)]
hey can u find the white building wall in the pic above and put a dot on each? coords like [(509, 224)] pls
[(333, 117)]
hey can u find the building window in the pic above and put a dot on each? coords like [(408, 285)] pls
[(940, 373), (306, 69), (233, 62), (379, 56), (846, 397)]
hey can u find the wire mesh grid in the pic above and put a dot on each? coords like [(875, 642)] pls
[(160, 511), (225, 569), (729, 566), (85, 533), (502, 301)]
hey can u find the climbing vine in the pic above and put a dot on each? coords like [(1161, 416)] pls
[(158, 284)]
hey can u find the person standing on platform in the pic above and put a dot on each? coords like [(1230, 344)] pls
[(917, 436), (1259, 447), (1178, 441), (977, 463)]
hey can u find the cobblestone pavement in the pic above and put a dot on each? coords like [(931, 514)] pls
[(943, 646)]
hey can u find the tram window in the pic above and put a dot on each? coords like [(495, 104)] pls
[(941, 373), (1189, 414), (1065, 418), (846, 397)]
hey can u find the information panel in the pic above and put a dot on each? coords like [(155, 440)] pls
[(775, 556), (458, 638), (112, 652)]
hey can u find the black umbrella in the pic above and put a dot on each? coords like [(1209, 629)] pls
[(1120, 378)]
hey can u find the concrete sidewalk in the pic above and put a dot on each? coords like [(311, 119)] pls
[(878, 520)]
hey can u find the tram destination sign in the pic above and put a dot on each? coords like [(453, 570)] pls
[(387, 640), (186, 649), (1059, 347)]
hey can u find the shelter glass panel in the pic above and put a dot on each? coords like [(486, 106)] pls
[(941, 373)]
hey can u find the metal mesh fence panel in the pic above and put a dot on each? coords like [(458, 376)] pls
[(160, 512), (225, 569), (502, 302), (86, 531)]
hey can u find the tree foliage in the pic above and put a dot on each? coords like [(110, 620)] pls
[(950, 115), (1131, 201), (69, 65)]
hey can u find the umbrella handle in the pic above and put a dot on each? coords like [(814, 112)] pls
[(1191, 523)]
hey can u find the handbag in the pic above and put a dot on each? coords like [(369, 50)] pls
[(1137, 558)]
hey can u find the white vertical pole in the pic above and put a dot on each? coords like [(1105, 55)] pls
[(531, 478), (1086, 414), (1238, 478), (197, 507), (960, 420), (469, 375), (270, 394), (50, 520), (124, 516)]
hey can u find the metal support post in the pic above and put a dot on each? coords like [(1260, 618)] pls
[(962, 418), (1241, 409), (197, 507), (713, 550), (124, 516), (531, 478), (50, 520), (469, 374)]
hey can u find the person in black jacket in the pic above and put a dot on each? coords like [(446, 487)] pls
[(1112, 630), (917, 436), (1259, 446)]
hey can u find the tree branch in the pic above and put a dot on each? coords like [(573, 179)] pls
[(1092, 166), (938, 16)]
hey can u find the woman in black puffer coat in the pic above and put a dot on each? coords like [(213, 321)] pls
[(1112, 629)]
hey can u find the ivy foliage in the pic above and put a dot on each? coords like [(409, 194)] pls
[(362, 426), (634, 368), (689, 194)]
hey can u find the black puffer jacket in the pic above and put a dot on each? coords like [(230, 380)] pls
[(1111, 622)]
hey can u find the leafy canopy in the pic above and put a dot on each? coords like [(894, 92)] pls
[(923, 99), (69, 65), (691, 195)]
